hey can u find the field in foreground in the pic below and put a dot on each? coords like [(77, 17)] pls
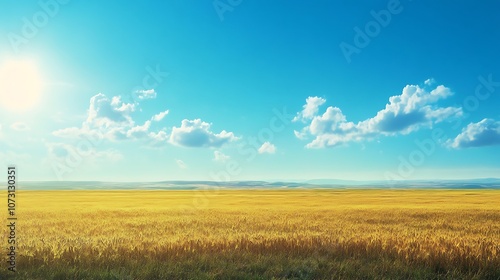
[(261, 234)]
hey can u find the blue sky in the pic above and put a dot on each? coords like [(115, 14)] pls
[(249, 90)]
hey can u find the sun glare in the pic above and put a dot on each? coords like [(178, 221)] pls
[(20, 85)]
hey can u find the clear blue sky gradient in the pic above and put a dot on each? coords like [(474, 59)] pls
[(231, 66)]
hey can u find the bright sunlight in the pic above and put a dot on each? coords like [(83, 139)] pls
[(20, 85)]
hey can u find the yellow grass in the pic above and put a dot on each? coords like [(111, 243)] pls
[(444, 229)]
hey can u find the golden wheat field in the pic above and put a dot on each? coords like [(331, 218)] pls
[(258, 234)]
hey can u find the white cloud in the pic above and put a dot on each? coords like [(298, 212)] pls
[(181, 164), (219, 156), (108, 119), (140, 131), (310, 109), (430, 82), (414, 108), (268, 148), (483, 133), (19, 126), (146, 94), (196, 133), (301, 134), (158, 117), (158, 139), (105, 113)]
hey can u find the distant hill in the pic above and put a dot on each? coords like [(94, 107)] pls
[(486, 183)]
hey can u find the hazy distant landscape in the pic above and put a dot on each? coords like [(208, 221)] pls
[(487, 183)]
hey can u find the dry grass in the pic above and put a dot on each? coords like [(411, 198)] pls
[(439, 233)]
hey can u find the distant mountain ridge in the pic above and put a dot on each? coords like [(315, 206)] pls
[(485, 183)]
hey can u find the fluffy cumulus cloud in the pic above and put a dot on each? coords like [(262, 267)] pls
[(414, 108), (139, 131), (220, 157), (267, 148), (483, 133), (104, 112), (158, 117), (111, 118), (196, 133), (158, 139), (310, 109)]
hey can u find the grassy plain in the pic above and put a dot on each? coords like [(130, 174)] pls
[(257, 234)]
